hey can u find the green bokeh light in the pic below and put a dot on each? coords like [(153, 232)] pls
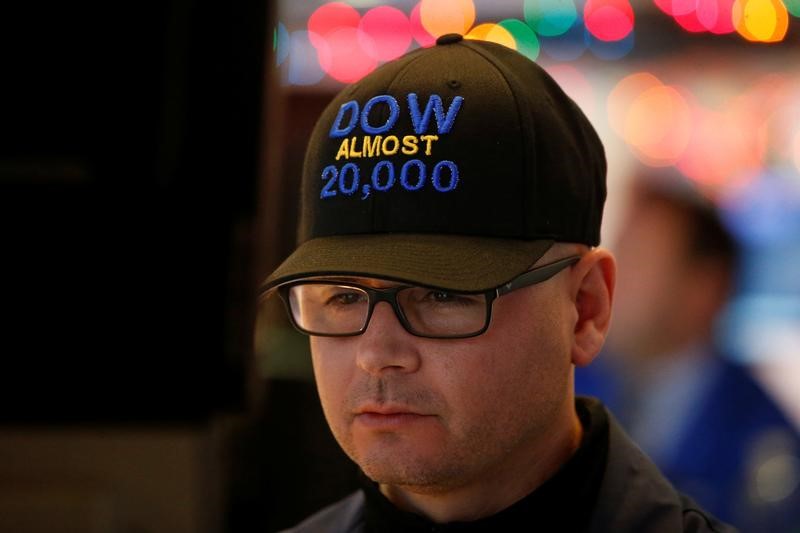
[(793, 6), (527, 42), (550, 17)]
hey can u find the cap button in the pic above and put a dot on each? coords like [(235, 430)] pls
[(449, 38)]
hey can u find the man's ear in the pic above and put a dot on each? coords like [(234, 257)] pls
[(593, 292)]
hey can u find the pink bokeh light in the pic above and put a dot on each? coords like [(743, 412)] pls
[(388, 31)]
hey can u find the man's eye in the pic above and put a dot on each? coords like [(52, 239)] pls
[(442, 297), (449, 298), (347, 298)]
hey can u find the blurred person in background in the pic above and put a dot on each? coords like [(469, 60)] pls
[(710, 427)]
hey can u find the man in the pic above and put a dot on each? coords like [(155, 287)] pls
[(709, 426), (448, 278)]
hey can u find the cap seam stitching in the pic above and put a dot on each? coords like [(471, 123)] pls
[(525, 133), (390, 90)]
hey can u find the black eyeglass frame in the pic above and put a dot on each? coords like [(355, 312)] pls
[(389, 295)]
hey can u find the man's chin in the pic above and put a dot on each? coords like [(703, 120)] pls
[(415, 473)]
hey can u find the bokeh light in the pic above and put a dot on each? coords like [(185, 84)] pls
[(329, 18), (610, 50), (676, 7), (721, 151), (418, 31), (568, 46), (302, 67), (351, 39), (690, 22), (608, 20), (527, 41), (494, 33), (761, 20), (348, 59), (388, 31), (440, 17), (717, 148), (550, 18), (280, 43), (716, 16), (793, 6), (575, 85), (620, 97), (658, 125)]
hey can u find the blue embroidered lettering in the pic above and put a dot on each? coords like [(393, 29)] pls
[(329, 173), (436, 176), (394, 112), (336, 128), (444, 122), (420, 175), (353, 169), (376, 176)]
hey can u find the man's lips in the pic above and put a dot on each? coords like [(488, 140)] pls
[(386, 409), (387, 417)]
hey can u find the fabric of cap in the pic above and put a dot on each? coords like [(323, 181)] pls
[(517, 163)]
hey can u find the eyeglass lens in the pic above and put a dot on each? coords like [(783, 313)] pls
[(336, 309)]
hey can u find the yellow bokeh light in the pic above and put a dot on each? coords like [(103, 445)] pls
[(761, 20), (494, 33), (440, 17)]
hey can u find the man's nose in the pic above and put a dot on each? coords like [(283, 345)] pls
[(386, 345)]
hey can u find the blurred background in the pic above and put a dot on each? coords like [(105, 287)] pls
[(149, 172)]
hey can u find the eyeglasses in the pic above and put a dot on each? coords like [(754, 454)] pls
[(341, 309)]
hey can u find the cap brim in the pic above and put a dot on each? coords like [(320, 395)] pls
[(453, 262)]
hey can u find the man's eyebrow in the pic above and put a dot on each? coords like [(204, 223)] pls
[(369, 282)]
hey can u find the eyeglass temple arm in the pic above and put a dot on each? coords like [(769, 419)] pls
[(538, 275)]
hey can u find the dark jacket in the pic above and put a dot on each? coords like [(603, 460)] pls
[(633, 497)]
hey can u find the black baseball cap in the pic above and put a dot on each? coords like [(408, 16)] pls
[(455, 166)]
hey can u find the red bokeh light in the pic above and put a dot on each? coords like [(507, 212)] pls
[(690, 22), (608, 20), (676, 7), (331, 17), (715, 15), (388, 30)]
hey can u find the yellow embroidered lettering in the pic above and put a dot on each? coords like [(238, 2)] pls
[(395, 145), (344, 149), (428, 139), (371, 146), (353, 152), (410, 146)]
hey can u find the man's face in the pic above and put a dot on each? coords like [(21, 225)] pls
[(437, 414)]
